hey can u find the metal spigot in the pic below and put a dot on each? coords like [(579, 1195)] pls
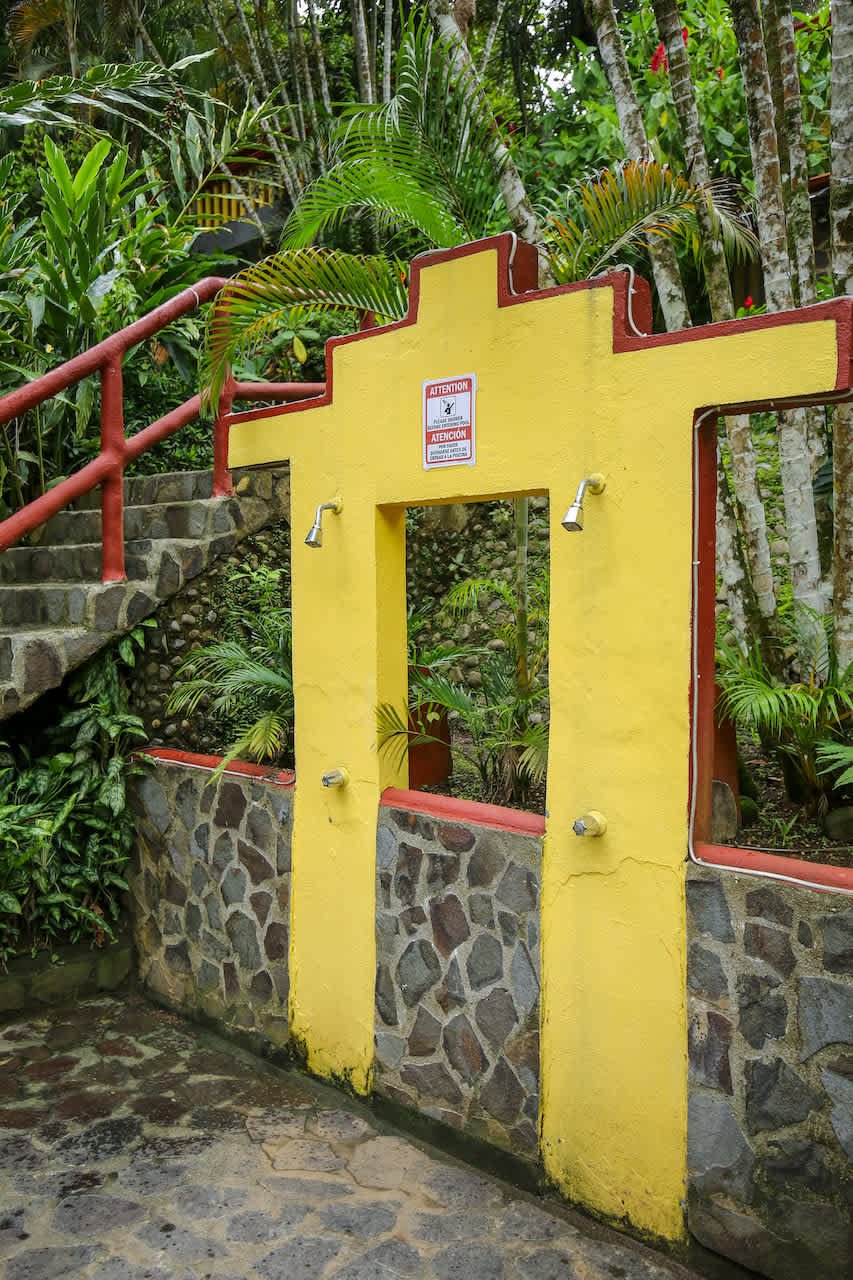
[(591, 824), (336, 778)]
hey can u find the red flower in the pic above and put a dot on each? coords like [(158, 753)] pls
[(684, 34), (659, 62), (747, 302), (720, 73)]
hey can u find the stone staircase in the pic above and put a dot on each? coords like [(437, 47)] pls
[(54, 610)]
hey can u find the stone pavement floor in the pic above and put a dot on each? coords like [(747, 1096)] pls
[(135, 1146)]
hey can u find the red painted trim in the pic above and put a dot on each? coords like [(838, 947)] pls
[(112, 490), (467, 812), (704, 620), (513, 274), (516, 284), (238, 768), (812, 874), (727, 857), (278, 390)]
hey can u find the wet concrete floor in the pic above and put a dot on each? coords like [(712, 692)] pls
[(135, 1146)]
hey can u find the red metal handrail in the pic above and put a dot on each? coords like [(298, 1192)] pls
[(107, 469)]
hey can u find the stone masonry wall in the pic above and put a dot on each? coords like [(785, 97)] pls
[(457, 981), (770, 1130), (210, 895)]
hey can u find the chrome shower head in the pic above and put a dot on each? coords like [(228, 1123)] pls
[(315, 533), (572, 521)]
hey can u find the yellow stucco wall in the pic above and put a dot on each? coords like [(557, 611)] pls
[(554, 403)]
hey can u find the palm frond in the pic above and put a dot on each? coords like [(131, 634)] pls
[(835, 756), (533, 761), (116, 90), (395, 734), (624, 207), (394, 195), (28, 18), (265, 296), (228, 673), (431, 148), (440, 690), (466, 596), (263, 738)]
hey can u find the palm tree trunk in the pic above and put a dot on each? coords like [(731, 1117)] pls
[(730, 565), (794, 452), (841, 223), (779, 36), (387, 39), (300, 132), (373, 43), (302, 59), (667, 275), (288, 175), (744, 464), (492, 36), (278, 70), (251, 45), (320, 59), (145, 35), (70, 21), (513, 192), (785, 83), (362, 52)]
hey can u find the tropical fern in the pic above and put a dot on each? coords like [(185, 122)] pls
[(251, 681), (792, 717), (598, 219), (837, 758)]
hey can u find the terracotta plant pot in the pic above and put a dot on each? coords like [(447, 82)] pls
[(430, 763)]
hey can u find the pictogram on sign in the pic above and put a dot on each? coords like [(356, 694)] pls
[(449, 421)]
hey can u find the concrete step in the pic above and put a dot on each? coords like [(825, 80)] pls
[(54, 610), (200, 518), (99, 606), (142, 491), (38, 659), (73, 563)]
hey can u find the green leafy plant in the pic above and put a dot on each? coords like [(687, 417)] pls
[(247, 683), (500, 728), (129, 92), (65, 831), (421, 171), (102, 250), (804, 720), (836, 758)]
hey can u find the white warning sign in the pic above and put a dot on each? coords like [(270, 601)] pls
[(449, 421)]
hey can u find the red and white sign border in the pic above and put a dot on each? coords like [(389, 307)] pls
[(441, 382)]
